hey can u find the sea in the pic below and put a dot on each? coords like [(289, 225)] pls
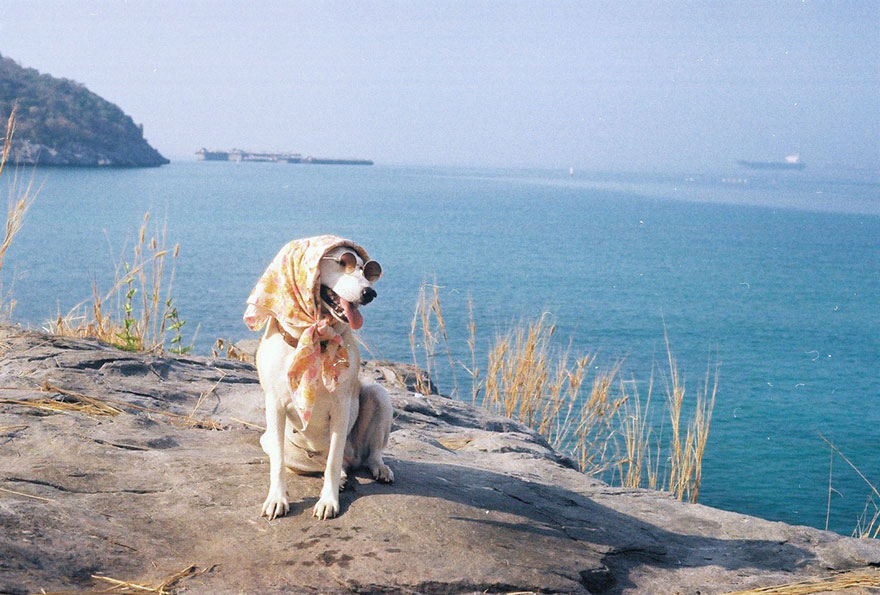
[(772, 277)]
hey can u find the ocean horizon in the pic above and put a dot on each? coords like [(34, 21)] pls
[(775, 276)]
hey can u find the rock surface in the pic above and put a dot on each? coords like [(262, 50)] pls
[(173, 476)]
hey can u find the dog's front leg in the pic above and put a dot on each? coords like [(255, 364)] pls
[(272, 441), (328, 505)]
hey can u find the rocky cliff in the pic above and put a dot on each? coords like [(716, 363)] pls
[(147, 470), (60, 122)]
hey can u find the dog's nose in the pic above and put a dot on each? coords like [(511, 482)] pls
[(368, 295)]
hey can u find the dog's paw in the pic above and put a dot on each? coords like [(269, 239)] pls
[(276, 504), (326, 508), (382, 472)]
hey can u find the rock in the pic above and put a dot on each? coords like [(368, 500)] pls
[(140, 488)]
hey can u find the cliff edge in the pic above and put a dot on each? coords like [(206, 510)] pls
[(60, 122), (144, 469)]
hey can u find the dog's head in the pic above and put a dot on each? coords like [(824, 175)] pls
[(346, 284)]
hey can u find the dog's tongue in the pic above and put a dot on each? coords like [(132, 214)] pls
[(355, 319)]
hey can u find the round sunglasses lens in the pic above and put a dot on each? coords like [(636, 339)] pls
[(372, 270), (349, 261)]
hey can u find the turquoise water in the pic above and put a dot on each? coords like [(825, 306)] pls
[(776, 277)]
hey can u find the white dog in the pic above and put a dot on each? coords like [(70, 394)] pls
[(318, 416)]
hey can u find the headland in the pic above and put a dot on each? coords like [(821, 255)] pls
[(60, 122)]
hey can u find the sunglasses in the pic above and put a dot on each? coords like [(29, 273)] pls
[(348, 260)]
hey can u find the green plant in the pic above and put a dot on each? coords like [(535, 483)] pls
[(136, 325), (172, 316), (129, 335)]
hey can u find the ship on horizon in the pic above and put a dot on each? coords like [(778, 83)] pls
[(791, 162), (240, 156)]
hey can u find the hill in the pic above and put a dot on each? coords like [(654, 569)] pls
[(60, 122)]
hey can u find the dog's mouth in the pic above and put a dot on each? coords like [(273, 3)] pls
[(343, 310)]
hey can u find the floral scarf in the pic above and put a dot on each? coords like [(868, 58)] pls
[(289, 291)]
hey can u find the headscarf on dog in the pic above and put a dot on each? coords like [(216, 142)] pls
[(289, 291)]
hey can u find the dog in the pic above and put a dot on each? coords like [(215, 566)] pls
[(318, 415)]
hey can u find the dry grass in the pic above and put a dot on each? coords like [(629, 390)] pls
[(589, 413), (12, 429), (137, 313), (21, 197), (428, 338), (227, 349), (167, 586), (837, 583), (69, 401), (640, 465), (474, 370), (526, 381), (868, 525), (62, 406), (205, 395), (23, 494), (686, 452)]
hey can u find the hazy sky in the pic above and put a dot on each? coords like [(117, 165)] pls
[(623, 85)]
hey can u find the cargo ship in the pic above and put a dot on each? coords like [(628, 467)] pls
[(240, 156), (792, 162), (332, 161)]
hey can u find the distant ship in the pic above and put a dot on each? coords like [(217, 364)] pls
[(791, 162), (240, 156)]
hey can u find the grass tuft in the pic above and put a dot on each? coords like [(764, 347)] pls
[(686, 452), (428, 338), (137, 313), (587, 412), (526, 381)]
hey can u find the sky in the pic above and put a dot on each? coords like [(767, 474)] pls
[(631, 86)]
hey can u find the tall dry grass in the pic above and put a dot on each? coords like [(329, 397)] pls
[(137, 312), (868, 524), (686, 452), (586, 411), (428, 340), (639, 467), (554, 394), (21, 196)]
